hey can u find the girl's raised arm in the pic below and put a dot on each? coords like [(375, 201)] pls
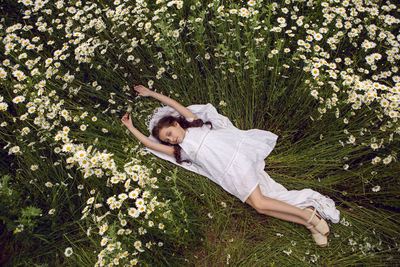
[(127, 121), (143, 91)]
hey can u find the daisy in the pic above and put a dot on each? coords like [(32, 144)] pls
[(281, 20), (314, 93), (104, 241), (139, 202), (123, 196), (34, 167), (90, 200), (137, 244), (14, 150), (110, 247), (388, 159), (133, 194), (251, 3), (3, 73), (114, 179), (18, 99), (315, 72), (133, 212), (258, 40), (318, 36), (68, 252), (376, 188)]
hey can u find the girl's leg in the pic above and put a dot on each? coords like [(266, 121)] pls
[(279, 209), (290, 218)]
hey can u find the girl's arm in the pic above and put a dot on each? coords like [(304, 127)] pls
[(127, 121), (185, 112)]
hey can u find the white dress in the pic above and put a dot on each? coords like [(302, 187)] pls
[(234, 159)]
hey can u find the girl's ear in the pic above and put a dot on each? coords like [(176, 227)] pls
[(176, 123)]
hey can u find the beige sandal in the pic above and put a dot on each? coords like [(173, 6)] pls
[(322, 225), (320, 240)]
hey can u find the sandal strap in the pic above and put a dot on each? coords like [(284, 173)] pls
[(314, 211)]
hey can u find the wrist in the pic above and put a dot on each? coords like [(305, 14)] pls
[(152, 93), (130, 126)]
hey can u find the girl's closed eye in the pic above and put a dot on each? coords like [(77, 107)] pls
[(167, 139)]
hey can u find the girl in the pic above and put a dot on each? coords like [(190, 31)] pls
[(201, 140)]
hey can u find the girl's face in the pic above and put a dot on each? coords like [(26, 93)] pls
[(172, 134)]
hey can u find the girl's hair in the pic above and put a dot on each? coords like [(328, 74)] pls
[(169, 121)]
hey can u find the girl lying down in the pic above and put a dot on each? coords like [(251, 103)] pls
[(200, 139)]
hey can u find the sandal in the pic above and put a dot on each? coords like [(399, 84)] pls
[(320, 240), (322, 225)]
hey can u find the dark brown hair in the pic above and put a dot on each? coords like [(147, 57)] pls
[(168, 121)]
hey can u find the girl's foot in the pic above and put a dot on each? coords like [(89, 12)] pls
[(320, 240), (318, 222)]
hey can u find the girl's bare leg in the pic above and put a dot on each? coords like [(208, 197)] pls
[(279, 209), (290, 218)]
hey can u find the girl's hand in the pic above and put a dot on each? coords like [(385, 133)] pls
[(142, 91), (127, 120)]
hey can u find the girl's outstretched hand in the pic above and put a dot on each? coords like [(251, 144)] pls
[(142, 91), (127, 120)]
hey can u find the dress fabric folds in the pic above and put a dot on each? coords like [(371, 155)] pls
[(234, 159)]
